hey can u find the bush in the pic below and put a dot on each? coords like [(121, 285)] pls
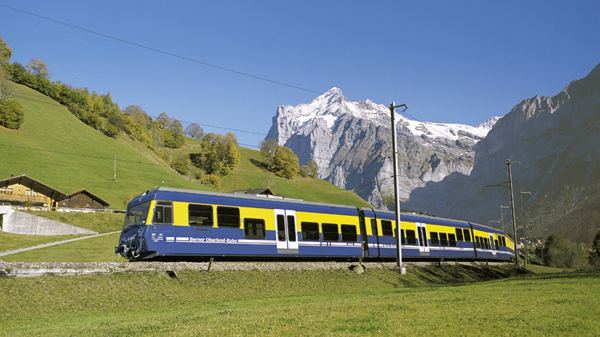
[(11, 114), (563, 253), (285, 163), (212, 180), (218, 154), (310, 169), (181, 164)]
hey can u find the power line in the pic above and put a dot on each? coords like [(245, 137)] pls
[(159, 51)]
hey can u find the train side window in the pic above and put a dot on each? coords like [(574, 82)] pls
[(435, 241), (452, 240), (374, 230), (386, 228), (403, 236), (254, 228), (504, 241), (163, 213), (310, 231), (200, 215), (459, 234), (467, 235), (330, 232), (497, 244), (411, 238), (349, 233), (443, 239), (228, 216)]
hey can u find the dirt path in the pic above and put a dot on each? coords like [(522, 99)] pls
[(50, 244)]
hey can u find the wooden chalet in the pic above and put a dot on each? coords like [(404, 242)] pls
[(28, 192), (82, 199)]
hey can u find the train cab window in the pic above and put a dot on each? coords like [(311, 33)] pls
[(163, 213), (200, 215), (443, 239), (411, 238), (386, 228), (435, 241), (228, 216), (467, 235), (254, 229), (452, 240), (459, 234), (310, 231), (349, 233), (503, 241), (330, 232), (403, 236)]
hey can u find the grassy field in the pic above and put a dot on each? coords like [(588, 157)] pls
[(10, 241), (61, 151), (426, 302), (98, 249)]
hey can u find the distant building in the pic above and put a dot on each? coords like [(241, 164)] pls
[(28, 192), (259, 191), (83, 199)]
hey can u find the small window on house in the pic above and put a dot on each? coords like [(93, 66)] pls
[(452, 240), (435, 241), (330, 232), (411, 238), (386, 228), (467, 235), (200, 215), (310, 231), (443, 239), (349, 233), (163, 213), (459, 234), (254, 229), (228, 216)]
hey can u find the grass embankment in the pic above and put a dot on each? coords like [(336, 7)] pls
[(97, 222), (61, 151), (307, 303), (10, 241)]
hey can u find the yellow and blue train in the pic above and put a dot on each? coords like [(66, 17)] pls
[(168, 223)]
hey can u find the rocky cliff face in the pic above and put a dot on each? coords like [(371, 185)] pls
[(557, 141), (350, 142)]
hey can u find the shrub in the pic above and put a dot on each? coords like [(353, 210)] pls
[(285, 163), (595, 253), (181, 164), (218, 154), (563, 253), (11, 114), (212, 180), (310, 169)]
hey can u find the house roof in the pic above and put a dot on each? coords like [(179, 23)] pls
[(34, 185), (264, 191), (89, 194)]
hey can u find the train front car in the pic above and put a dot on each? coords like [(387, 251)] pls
[(132, 243)]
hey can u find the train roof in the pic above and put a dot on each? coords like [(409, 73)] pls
[(301, 205)]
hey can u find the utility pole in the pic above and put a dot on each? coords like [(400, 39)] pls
[(393, 107), (525, 226), (512, 204)]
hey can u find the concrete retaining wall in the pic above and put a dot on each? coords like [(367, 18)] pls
[(18, 222)]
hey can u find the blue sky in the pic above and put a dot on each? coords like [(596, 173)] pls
[(450, 61)]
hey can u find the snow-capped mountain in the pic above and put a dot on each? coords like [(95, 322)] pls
[(350, 142)]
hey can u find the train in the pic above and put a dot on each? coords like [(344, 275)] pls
[(179, 224)]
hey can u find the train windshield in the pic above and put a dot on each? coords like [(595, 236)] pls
[(136, 215)]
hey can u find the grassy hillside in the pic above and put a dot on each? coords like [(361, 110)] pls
[(425, 302), (61, 151)]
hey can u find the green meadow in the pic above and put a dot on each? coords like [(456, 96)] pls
[(428, 301)]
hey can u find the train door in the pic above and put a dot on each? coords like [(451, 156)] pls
[(422, 237), (287, 236), (375, 232), (492, 245), (363, 234)]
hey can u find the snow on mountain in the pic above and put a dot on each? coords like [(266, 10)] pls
[(350, 142)]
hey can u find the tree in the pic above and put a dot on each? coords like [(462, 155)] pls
[(181, 163), (595, 253), (194, 131), (11, 114), (563, 253), (5, 53), (310, 169), (218, 154), (268, 147), (285, 163), (38, 68)]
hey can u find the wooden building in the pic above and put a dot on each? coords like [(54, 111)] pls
[(82, 199), (28, 192)]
